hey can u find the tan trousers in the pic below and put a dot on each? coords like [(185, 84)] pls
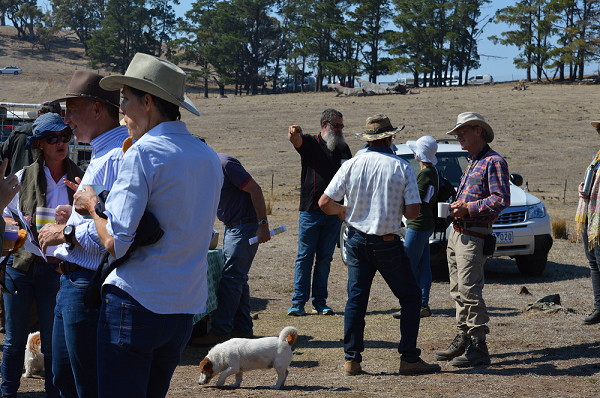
[(465, 265)]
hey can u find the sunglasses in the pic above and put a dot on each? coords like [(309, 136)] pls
[(54, 138), (336, 125)]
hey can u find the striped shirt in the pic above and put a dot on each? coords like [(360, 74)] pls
[(103, 169), (485, 187)]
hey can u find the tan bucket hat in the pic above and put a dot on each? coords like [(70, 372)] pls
[(86, 84), (378, 127), (474, 119), (154, 76)]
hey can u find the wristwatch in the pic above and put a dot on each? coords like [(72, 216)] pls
[(263, 222), (69, 233)]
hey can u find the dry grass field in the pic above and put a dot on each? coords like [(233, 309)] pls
[(544, 133)]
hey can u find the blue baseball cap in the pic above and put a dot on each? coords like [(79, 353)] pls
[(44, 126)]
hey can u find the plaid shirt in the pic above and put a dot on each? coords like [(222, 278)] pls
[(487, 199)]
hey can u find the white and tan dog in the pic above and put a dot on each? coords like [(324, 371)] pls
[(237, 356), (34, 359)]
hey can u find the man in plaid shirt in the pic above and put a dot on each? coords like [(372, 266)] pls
[(484, 191)]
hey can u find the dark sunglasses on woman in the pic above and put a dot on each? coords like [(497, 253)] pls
[(54, 138)]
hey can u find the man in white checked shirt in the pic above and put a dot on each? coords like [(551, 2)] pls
[(380, 188), (93, 115)]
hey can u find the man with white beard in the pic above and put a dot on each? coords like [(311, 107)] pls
[(321, 157)]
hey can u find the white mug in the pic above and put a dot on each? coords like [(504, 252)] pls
[(443, 209)]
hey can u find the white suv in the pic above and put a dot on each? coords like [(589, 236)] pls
[(522, 231)]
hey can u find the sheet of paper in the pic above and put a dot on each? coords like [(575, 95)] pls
[(430, 192), (31, 245)]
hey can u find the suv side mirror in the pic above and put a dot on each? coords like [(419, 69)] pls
[(516, 179)]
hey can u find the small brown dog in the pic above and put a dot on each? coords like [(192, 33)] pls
[(237, 356), (34, 359)]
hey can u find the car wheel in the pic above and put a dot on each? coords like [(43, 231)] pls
[(342, 242), (16, 73), (532, 265)]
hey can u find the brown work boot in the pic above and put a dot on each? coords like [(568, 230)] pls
[(209, 340), (457, 348), (477, 354), (418, 367), (352, 368)]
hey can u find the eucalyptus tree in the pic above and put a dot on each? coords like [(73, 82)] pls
[(80, 16)]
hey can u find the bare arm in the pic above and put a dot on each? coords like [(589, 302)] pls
[(295, 135), (329, 206), (258, 201), (412, 211)]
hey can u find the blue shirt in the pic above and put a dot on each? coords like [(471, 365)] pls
[(235, 204), (178, 179), (107, 155)]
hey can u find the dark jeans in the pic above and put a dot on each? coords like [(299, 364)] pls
[(138, 350), (368, 254), (74, 338), (594, 260), (40, 284)]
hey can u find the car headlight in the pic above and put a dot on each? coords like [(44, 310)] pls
[(536, 211)]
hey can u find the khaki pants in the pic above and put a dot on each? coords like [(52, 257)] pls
[(465, 265)]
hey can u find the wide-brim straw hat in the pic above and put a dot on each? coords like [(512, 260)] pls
[(474, 119), (154, 76), (378, 127), (85, 84), (424, 149)]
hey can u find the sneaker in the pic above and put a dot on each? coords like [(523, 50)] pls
[(296, 310), (593, 318), (455, 349), (418, 367), (477, 354), (397, 315), (425, 311), (209, 340), (352, 368), (322, 309)]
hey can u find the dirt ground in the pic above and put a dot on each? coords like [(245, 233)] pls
[(544, 133)]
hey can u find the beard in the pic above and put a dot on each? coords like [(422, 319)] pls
[(334, 141)]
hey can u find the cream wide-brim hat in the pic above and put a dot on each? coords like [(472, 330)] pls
[(424, 149), (474, 119), (154, 76)]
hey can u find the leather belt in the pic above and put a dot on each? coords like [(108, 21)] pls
[(469, 224), (239, 222), (467, 232), (67, 267), (51, 260)]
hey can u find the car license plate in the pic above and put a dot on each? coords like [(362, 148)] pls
[(503, 237)]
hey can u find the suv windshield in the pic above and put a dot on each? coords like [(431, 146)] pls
[(450, 164)]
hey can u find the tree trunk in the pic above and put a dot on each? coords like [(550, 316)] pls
[(205, 86)]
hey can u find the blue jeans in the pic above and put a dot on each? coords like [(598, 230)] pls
[(234, 293), (368, 254), (138, 350), (40, 284), (594, 260), (416, 244), (317, 235), (74, 338)]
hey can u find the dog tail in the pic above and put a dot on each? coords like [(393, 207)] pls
[(288, 335)]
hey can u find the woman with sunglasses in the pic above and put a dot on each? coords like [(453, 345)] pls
[(36, 279)]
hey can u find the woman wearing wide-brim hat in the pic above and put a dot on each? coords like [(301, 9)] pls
[(36, 279), (177, 178), (588, 225)]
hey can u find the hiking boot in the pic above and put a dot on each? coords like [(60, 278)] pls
[(425, 311), (239, 335), (352, 368), (209, 340), (593, 318), (322, 309), (456, 348), (477, 354), (397, 315), (418, 367), (296, 310)]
